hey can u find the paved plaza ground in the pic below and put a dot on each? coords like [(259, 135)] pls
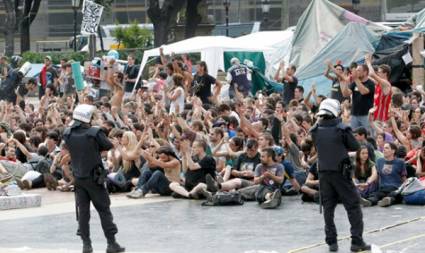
[(164, 225)]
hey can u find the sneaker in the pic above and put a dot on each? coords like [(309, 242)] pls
[(87, 248), (333, 247), (212, 185), (274, 201), (114, 248), (385, 202), (360, 247), (208, 195), (5, 177), (128, 195), (137, 194), (365, 203)]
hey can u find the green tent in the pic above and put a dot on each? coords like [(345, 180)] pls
[(260, 66)]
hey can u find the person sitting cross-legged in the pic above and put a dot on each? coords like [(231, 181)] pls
[(196, 168), (391, 175), (162, 171)]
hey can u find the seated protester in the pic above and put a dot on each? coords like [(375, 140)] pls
[(290, 185), (195, 168), (10, 163), (218, 145), (361, 136), (365, 175), (268, 177), (39, 173), (242, 173), (310, 190), (420, 162), (162, 171), (125, 177), (392, 174), (233, 150)]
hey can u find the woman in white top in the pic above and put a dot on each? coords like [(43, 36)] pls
[(176, 95)]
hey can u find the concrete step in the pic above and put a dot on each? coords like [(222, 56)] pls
[(20, 201)]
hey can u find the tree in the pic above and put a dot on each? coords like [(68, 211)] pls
[(9, 26), (19, 16), (163, 18), (193, 18), (133, 36), (27, 15)]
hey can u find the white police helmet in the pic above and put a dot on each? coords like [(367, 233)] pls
[(235, 60), (329, 106), (83, 113)]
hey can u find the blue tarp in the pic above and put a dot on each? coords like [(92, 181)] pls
[(349, 45)]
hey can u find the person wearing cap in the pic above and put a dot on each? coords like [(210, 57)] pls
[(48, 75), (85, 144), (333, 141), (238, 77)]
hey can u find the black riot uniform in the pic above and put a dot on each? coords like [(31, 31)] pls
[(333, 141), (85, 144)]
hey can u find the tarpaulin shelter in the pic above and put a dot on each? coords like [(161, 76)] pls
[(400, 71), (279, 43), (211, 48), (417, 21), (319, 23), (349, 45)]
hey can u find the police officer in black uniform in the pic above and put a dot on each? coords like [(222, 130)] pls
[(85, 144), (333, 141), (237, 76)]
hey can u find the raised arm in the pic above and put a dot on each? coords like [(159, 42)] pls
[(386, 85)]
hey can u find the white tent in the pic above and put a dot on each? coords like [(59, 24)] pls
[(279, 43), (211, 49)]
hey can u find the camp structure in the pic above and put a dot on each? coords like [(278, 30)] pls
[(319, 23), (216, 51), (279, 43)]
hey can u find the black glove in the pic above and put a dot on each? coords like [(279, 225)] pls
[(100, 175), (346, 168)]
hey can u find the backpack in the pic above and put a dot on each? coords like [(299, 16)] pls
[(411, 185), (225, 199), (43, 166)]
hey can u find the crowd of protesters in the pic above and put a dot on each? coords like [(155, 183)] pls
[(177, 134)]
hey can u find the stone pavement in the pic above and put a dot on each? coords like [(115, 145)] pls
[(158, 224)]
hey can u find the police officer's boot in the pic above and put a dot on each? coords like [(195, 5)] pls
[(87, 248), (114, 247), (359, 246), (333, 247)]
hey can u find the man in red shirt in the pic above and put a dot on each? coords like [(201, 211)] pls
[(383, 93)]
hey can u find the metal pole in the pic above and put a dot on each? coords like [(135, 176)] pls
[(75, 29), (227, 18)]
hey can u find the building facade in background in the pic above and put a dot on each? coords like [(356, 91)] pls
[(55, 18)]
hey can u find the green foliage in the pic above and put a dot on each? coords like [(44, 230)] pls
[(133, 36), (34, 57)]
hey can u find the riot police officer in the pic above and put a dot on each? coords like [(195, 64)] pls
[(238, 76), (85, 144), (333, 141)]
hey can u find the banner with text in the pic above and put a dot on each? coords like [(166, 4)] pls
[(92, 13)]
